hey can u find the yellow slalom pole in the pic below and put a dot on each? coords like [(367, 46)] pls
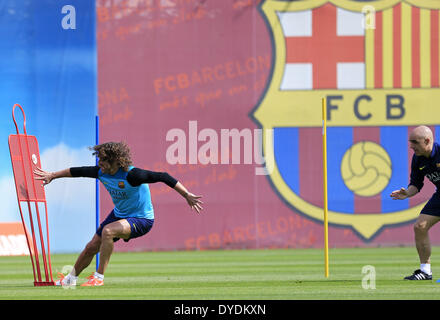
[(324, 158)]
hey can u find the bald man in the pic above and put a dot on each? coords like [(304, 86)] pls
[(425, 162)]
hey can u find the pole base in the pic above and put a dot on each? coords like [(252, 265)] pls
[(44, 283)]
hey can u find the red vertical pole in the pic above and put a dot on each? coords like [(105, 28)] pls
[(33, 248), (43, 251), (48, 242), (37, 263), (27, 240)]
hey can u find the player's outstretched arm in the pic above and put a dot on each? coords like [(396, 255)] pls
[(138, 176), (193, 201), (47, 177)]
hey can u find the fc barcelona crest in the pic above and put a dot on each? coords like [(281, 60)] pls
[(379, 70)]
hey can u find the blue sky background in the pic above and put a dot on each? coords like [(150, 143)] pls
[(51, 73)]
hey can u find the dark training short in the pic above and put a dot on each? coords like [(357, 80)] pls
[(432, 207), (139, 226)]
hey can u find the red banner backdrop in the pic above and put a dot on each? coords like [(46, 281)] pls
[(164, 64)]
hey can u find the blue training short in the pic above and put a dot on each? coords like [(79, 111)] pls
[(139, 226), (432, 207)]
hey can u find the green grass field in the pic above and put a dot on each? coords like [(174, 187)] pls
[(288, 274)]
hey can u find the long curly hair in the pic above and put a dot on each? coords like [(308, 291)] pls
[(113, 151)]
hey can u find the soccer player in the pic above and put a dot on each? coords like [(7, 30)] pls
[(425, 162), (133, 214)]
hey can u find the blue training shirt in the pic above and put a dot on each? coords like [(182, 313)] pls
[(129, 201), (429, 167)]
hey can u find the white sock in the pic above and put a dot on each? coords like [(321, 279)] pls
[(73, 274), (99, 276), (426, 268)]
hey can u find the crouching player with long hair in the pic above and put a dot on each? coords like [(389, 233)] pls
[(133, 213)]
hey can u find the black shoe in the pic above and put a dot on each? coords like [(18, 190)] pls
[(419, 275)]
